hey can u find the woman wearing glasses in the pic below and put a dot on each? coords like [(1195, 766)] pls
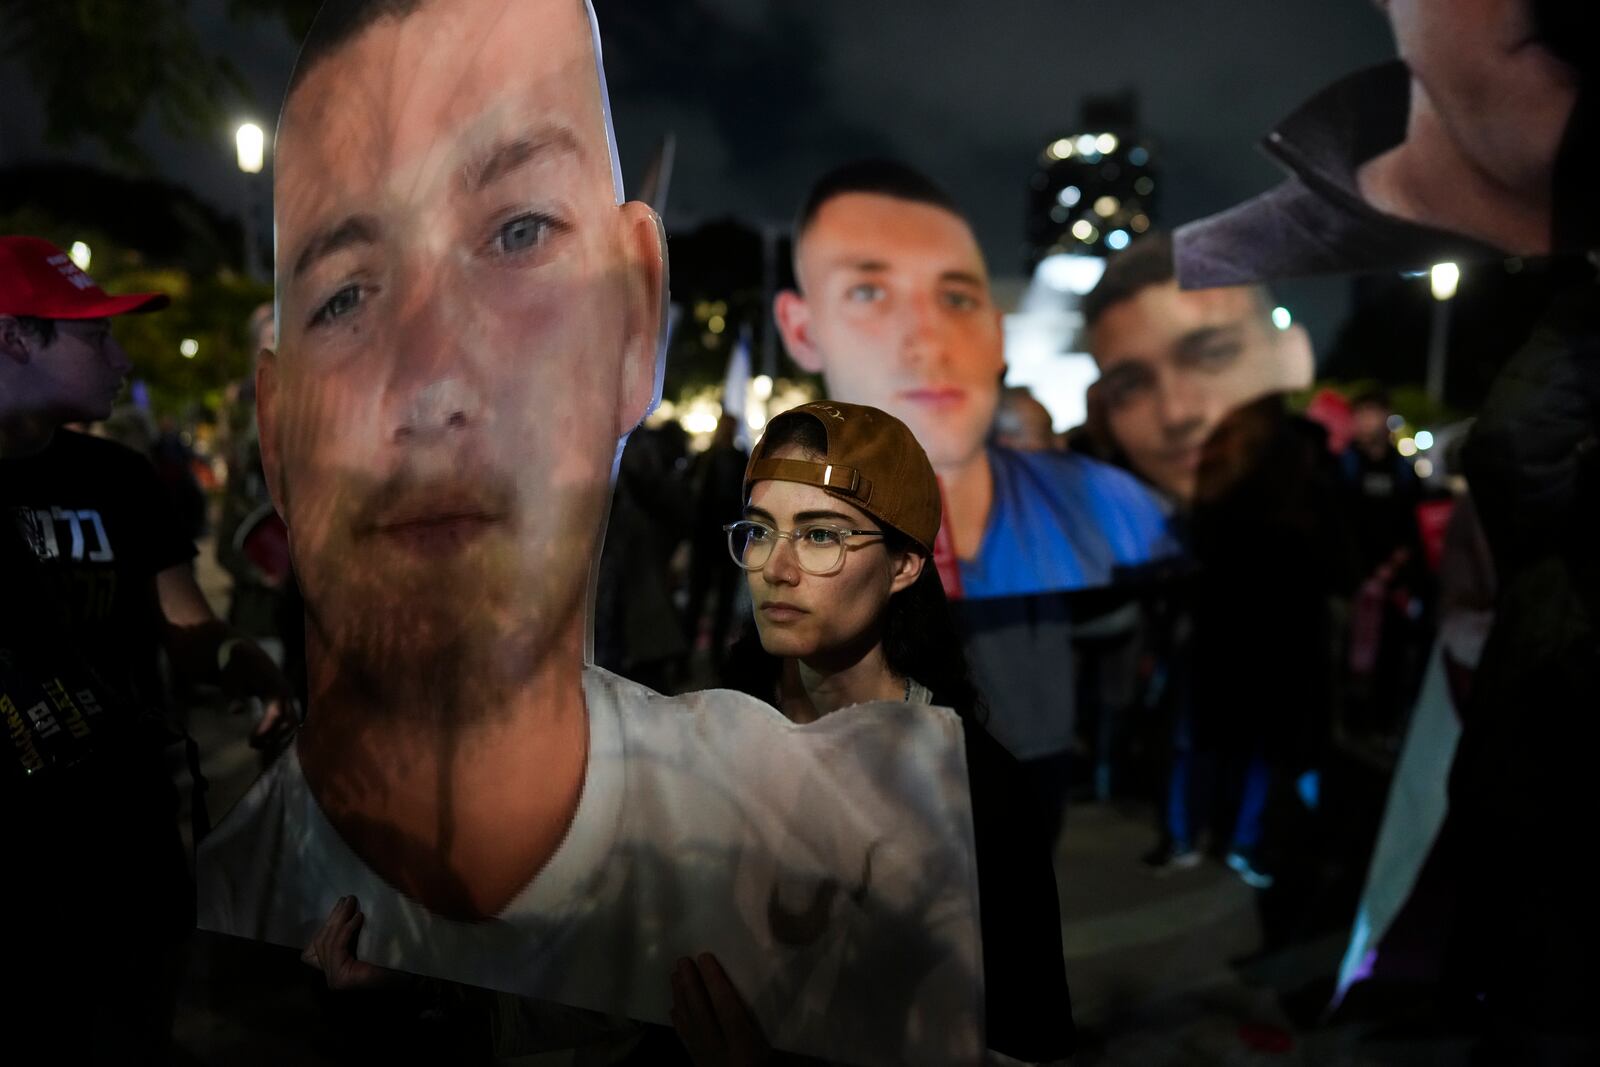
[(842, 508)]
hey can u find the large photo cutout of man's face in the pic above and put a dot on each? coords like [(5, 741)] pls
[(469, 325), (893, 307), (1175, 364), (896, 313)]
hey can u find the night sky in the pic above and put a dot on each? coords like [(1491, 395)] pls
[(763, 94)]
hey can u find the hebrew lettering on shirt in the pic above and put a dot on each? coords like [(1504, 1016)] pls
[(84, 530)]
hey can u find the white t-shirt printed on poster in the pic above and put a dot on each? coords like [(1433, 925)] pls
[(829, 867)]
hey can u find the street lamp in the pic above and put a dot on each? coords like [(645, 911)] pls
[(80, 254), (1443, 280), (250, 145)]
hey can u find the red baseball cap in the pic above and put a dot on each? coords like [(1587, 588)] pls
[(40, 280)]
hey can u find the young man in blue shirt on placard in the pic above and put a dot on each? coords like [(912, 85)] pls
[(893, 307)]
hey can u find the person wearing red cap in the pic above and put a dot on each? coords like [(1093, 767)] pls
[(97, 581), (89, 505), (64, 365)]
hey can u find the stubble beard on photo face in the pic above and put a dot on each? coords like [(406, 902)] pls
[(447, 642)]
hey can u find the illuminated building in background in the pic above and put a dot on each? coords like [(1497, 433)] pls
[(1095, 187)]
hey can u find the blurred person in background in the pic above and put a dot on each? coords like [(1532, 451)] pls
[(174, 461), (1273, 555), (1022, 423), (131, 427), (1402, 928), (253, 604), (1331, 410), (252, 543), (1390, 616), (714, 489), (636, 625)]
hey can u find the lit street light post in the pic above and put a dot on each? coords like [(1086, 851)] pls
[(1442, 280), (189, 348), (250, 143)]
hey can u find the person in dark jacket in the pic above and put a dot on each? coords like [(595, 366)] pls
[(715, 480), (1522, 798)]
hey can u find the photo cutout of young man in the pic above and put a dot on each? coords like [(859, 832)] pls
[(893, 308), (469, 319), (1175, 363)]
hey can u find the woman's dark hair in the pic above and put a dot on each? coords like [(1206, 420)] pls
[(920, 638)]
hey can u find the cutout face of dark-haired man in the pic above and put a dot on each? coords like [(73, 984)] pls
[(1174, 364), (894, 309), (467, 325)]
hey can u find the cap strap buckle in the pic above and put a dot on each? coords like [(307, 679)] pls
[(846, 481)]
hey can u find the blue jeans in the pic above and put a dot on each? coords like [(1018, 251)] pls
[(1255, 788)]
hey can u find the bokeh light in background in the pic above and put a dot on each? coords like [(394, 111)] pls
[(1092, 191)]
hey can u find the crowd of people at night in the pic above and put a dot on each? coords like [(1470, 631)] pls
[(579, 736)]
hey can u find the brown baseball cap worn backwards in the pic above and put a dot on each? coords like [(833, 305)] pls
[(39, 280), (872, 460)]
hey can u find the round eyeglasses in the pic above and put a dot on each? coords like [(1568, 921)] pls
[(818, 547)]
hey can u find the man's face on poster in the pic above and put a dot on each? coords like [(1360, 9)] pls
[(895, 312), (468, 323), (1174, 363)]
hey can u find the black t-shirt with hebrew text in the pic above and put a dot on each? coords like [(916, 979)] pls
[(100, 528), (89, 812)]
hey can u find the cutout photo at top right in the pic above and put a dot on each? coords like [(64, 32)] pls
[(1477, 142)]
